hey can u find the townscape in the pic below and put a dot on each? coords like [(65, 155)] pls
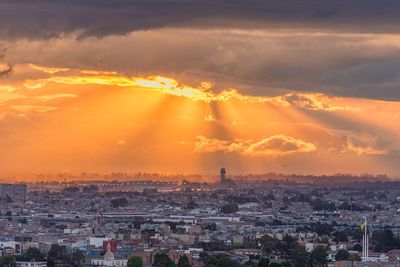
[(200, 133), (223, 223)]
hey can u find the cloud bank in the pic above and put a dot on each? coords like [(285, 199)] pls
[(47, 18)]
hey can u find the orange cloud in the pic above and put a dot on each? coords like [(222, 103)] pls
[(49, 70), (202, 93), (365, 145), (56, 96), (314, 102), (276, 145), (204, 144), (97, 72), (280, 145), (34, 108), (8, 88)]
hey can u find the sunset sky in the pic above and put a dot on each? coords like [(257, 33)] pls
[(189, 86)]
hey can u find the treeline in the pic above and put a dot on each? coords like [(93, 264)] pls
[(57, 255)]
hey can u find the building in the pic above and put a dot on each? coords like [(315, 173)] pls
[(13, 192), (109, 259), (31, 264), (222, 174)]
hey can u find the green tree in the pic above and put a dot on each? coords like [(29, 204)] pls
[(78, 258), (300, 257), (319, 256), (384, 240), (269, 244), (358, 234), (357, 247), (162, 260), (7, 261), (323, 229), (56, 254), (184, 262), (33, 254), (275, 264), (341, 236), (250, 263), (354, 257), (230, 208), (135, 261), (119, 202), (203, 256), (263, 262), (222, 261), (342, 255)]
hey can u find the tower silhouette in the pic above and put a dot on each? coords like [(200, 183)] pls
[(222, 174)]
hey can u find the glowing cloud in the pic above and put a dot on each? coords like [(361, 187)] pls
[(97, 72), (34, 108), (49, 70), (280, 145), (8, 88), (55, 96), (202, 93), (276, 145), (365, 145)]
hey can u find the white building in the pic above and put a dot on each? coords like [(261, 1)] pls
[(31, 264), (109, 259)]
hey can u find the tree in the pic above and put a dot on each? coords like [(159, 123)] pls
[(211, 226), (23, 221), (162, 260), (323, 229), (320, 204), (357, 247), (32, 254), (342, 255), (300, 257), (269, 244), (250, 263), (90, 189), (72, 189), (78, 258), (7, 261), (214, 246), (275, 264), (319, 256), (263, 262), (358, 234), (57, 253), (341, 236), (184, 262), (135, 261), (354, 257), (230, 208), (221, 261), (384, 240), (119, 202), (203, 256)]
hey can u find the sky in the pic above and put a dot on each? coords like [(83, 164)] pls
[(189, 86)]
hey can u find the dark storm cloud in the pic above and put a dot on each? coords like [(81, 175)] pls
[(49, 18)]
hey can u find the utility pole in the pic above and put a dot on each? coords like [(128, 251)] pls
[(364, 227)]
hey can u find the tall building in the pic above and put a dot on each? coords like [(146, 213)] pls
[(13, 192), (222, 174)]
